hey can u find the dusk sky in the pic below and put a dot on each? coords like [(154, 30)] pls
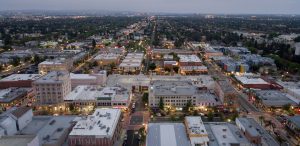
[(177, 6)]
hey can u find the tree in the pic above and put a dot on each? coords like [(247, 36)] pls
[(210, 116), (261, 119), (188, 105), (15, 61), (161, 104), (145, 97), (71, 107), (152, 66), (94, 43), (176, 68)]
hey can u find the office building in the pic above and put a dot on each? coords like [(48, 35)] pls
[(52, 88)]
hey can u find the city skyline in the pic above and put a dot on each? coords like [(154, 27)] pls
[(164, 6)]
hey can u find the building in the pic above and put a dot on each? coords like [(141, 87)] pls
[(291, 88), (227, 94), (210, 52), (297, 49), (103, 128), (87, 97), (132, 63), (254, 132), (196, 131), (189, 60), (248, 130), (273, 98), (52, 88), (14, 120), (50, 130), (193, 70), (19, 140), (60, 64), (15, 97), (178, 93), (167, 134), (107, 59), (293, 123), (252, 81), (88, 79), (225, 134), (18, 80)]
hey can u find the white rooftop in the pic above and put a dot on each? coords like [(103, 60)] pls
[(82, 76), (189, 58), (88, 92), (54, 76), (132, 60), (223, 135), (53, 61), (102, 124), (196, 130), (251, 80), (107, 56), (18, 77)]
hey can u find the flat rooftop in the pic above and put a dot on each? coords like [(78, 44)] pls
[(53, 77), (295, 120), (167, 134), (10, 94), (107, 56), (18, 77), (101, 124), (54, 61), (173, 88), (274, 98), (82, 76), (189, 58), (217, 130), (246, 80), (128, 81), (49, 129), (91, 93), (132, 60), (196, 129), (248, 126), (16, 140)]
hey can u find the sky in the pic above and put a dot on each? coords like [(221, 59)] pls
[(172, 6)]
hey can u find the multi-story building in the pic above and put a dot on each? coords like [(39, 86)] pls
[(11, 97), (103, 128), (88, 79), (52, 88), (107, 59), (60, 64), (178, 94), (196, 131), (18, 80), (227, 94), (132, 63), (248, 130), (254, 132), (191, 64), (87, 97)]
